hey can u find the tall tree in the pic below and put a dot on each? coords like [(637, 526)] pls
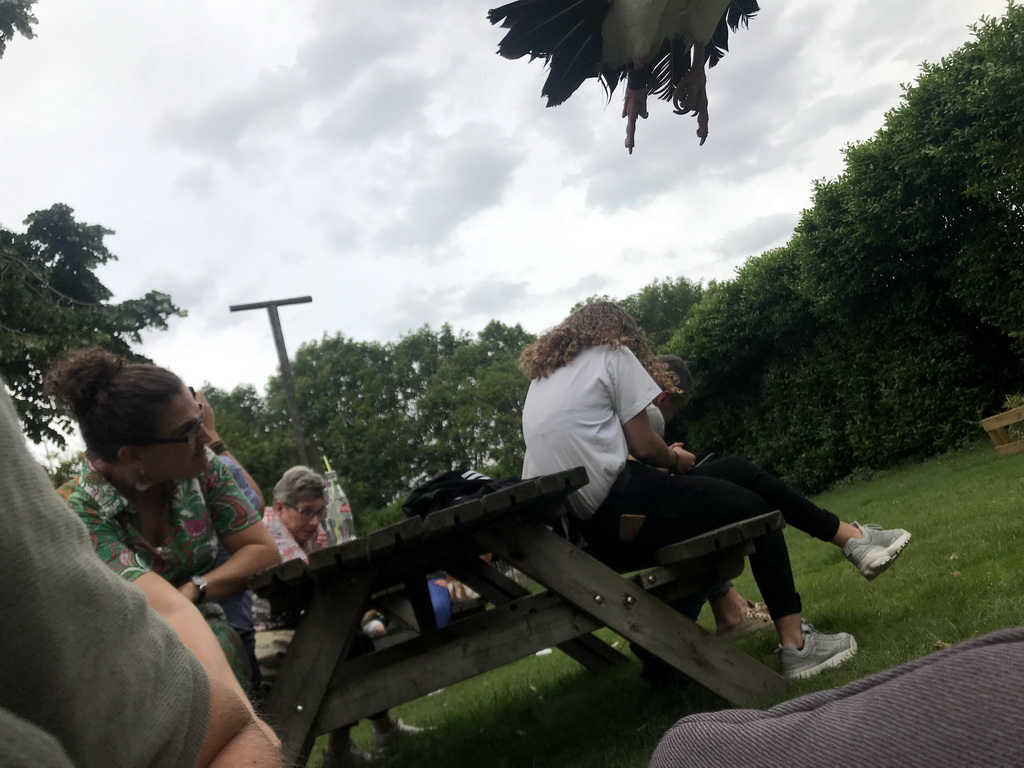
[(15, 16), (52, 302), (886, 327)]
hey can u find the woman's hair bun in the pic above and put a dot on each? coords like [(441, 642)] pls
[(77, 381)]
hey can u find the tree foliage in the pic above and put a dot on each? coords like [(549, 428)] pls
[(51, 302), (388, 416), (15, 16), (891, 322)]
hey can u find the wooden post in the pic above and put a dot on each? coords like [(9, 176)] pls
[(286, 368)]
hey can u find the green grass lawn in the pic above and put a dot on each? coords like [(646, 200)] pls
[(960, 577)]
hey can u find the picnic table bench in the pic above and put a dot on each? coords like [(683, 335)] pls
[(319, 689)]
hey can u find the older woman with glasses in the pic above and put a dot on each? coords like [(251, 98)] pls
[(300, 506), (154, 500)]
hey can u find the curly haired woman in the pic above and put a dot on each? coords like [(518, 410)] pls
[(593, 377)]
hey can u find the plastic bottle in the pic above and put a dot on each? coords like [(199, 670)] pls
[(338, 523)]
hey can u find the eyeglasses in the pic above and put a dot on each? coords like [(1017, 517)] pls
[(190, 437), (309, 514)]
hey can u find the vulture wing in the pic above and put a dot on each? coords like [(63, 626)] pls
[(565, 33)]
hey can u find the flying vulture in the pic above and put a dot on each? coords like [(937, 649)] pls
[(647, 43)]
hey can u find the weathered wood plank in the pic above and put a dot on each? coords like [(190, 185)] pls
[(322, 638), (1004, 419), (351, 554), (1008, 448), (720, 538), (456, 518), (422, 607), (629, 610), (384, 542)]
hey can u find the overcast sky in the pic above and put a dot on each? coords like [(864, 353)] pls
[(382, 159)]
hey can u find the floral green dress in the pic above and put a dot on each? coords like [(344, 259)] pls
[(204, 510)]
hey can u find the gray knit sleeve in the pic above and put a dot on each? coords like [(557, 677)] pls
[(85, 660)]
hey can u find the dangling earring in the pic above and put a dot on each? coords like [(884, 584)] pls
[(142, 484)]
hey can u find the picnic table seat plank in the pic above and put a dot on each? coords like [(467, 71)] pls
[(671, 583), (626, 608), (720, 538)]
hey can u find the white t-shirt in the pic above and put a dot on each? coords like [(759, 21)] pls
[(574, 418)]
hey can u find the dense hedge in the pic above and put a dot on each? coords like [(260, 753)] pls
[(892, 321)]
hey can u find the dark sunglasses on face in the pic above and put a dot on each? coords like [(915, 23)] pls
[(309, 514), (190, 437)]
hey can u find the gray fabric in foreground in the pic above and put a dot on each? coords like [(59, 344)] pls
[(85, 666), (958, 707)]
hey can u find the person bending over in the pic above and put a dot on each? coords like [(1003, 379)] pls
[(153, 497)]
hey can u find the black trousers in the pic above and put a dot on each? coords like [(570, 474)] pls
[(678, 507)]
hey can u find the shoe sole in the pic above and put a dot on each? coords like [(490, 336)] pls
[(877, 568), (829, 663)]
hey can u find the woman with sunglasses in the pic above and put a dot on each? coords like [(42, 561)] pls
[(154, 500)]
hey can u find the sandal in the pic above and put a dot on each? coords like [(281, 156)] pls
[(755, 619)]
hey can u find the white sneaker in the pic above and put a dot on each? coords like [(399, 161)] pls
[(820, 652), (400, 730), (877, 550)]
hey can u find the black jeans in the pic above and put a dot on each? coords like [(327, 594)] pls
[(678, 507)]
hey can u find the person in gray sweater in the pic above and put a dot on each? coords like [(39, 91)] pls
[(95, 672), (959, 707)]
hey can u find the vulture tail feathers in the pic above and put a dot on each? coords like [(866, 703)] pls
[(566, 33), (738, 12)]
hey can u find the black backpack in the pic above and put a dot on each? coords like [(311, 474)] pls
[(451, 488)]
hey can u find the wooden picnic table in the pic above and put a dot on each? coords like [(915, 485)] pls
[(319, 689)]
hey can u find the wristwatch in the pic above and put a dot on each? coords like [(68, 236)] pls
[(200, 582)]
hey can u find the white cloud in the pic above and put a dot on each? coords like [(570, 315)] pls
[(382, 159)]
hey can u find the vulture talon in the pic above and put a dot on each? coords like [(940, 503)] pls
[(634, 105)]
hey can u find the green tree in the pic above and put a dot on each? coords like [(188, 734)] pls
[(886, 327), (661, 307), (388, 416), (258, 436), (52, 302), (15, 16)]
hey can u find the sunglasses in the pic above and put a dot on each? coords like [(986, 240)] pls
[(309, 514), (190, 437)]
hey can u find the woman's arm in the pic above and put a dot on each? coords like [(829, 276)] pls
[(234, 731), (647, 447), (210, 424), (252, 549)]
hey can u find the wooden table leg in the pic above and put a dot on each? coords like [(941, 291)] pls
[(322, 639), (627, 609)]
